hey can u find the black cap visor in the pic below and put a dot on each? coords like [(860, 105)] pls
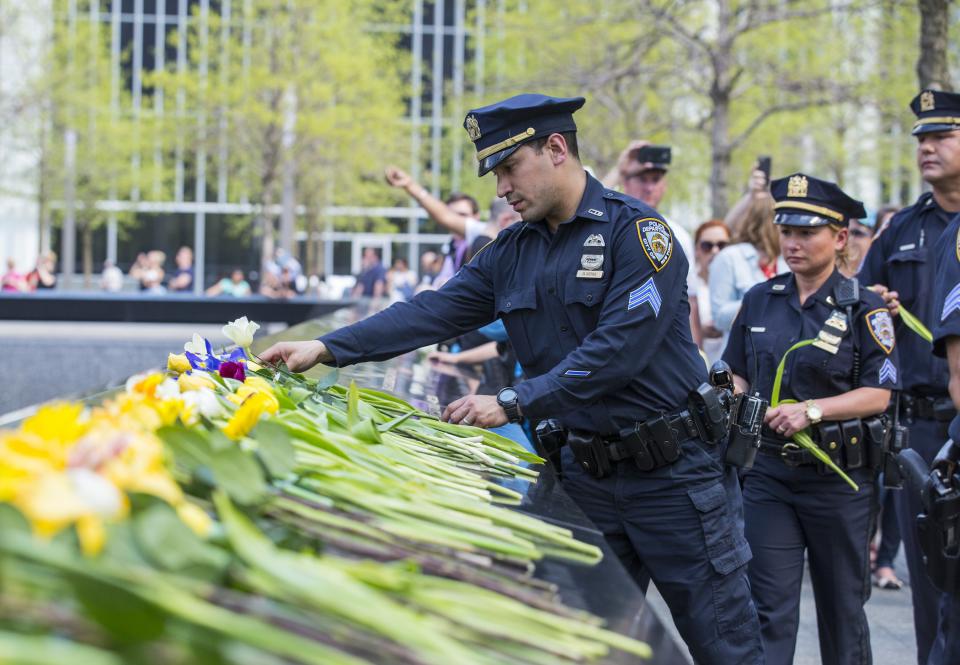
[(929, 128), (487, 164), (803, 219)]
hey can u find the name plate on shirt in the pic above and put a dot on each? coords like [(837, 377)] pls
[(590, 274)]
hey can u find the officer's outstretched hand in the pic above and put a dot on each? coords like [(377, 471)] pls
[(477, 410), (787, 419), (891, 298), (299, 356)]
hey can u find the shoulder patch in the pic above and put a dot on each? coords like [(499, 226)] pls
[(656, 240), (880, 324)]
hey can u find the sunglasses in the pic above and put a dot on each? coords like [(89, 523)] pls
[(707, 246)]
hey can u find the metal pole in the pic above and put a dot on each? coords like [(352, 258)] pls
[(436, 99), (459, 37), (416, 104), (181, 101), (200, 193)]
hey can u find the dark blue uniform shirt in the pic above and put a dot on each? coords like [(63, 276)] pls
[(946, 299), (902, 259), (771, 320), (597, 313)]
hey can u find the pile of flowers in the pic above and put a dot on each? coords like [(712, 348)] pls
[(227, 510)]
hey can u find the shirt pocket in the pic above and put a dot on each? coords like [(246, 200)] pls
[(517, 308), (581, 300), (907, 274), (819, 373), (762, 353)]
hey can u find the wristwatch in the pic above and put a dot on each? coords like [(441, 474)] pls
[(814, 412), (507, 399)]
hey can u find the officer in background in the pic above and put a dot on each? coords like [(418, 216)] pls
[(944, 553), (590, 288), (792, 503), (901, 263)]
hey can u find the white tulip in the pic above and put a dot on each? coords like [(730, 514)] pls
[(204, 401), (98, 494), (197, 346), (240, 332), (168, 389)]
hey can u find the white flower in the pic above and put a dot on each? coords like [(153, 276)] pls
[(168, 389), (197, 346), (204, 401), (240, 332), (97, 494), (134, 380)]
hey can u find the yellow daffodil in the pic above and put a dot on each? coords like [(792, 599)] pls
[(196, 380), (247, 416), (177, 362)]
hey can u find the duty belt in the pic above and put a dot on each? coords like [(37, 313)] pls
[(940, 409), (791, 453), (645, 443)]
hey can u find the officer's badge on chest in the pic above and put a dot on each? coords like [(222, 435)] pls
[(592, 258), (657, 241), (881, 328)]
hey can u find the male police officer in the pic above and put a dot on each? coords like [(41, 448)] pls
[(901, 263), (590, 287), (943, 529)]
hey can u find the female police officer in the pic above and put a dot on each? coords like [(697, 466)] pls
[(791, 504)]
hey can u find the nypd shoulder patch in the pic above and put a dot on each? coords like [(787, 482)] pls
[(656, 240), (880, 324), (888, 373), (647, 293)]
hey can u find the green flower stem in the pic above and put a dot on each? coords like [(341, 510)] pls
[(803, 439), (915, 324)]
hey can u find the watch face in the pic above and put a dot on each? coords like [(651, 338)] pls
[(507, 395), (814, 413)]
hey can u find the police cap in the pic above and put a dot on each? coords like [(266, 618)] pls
[(499, 129), (803, 200), (936, 111)]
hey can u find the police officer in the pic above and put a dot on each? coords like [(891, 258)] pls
[(590, 287), (793, 503), (901, 262), (944, 142)]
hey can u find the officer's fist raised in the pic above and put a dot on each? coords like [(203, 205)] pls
[(299, 356)]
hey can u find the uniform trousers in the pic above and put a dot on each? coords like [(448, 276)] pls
[(933, 611), (791, 511), (683, 526)]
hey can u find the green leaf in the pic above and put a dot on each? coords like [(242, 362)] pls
[(298, 393), (127, 617), (915, 324), (191, 448), (286, 404), (327, 380), (353, 405), (171, 545), (366, 431), (12, 520), (396, 422), (236, 472), (275, 448), (44, 649)]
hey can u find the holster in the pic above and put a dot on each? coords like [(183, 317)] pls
[(877, 432), (551, 437), (938, 527), (590, 452)]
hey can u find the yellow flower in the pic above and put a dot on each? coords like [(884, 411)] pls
[(246, 417), (178, 363), (195, 518), (195, 381)]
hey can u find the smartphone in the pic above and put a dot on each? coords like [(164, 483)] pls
[(763, 164), (655, 154)]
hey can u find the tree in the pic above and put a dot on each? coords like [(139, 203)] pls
[(933, 70), (300, 98)]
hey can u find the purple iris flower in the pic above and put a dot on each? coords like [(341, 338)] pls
[(211, 362), (232, 370)]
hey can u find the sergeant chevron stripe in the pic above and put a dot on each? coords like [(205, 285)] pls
[(951, 303), (647, 293), (888, 373)]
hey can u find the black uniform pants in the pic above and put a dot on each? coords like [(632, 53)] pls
[(790, 512), (682, 525), (936, 616)]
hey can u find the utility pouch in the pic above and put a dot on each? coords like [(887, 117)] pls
[(899, 440), (830, 440), (663, 439), (551, 436), (877, 431), (853, 443), (590, 453), (746, 421), (713, 415)]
